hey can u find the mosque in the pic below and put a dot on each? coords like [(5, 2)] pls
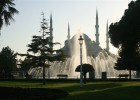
[(101, 59), (91, 49)]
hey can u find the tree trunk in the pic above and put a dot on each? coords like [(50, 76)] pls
[(130, 74), (44, 75), (84, 74)]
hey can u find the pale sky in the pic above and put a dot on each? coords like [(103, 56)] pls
[(79, 13)]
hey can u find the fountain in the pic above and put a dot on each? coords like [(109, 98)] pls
[(100, 59), (93, 54)]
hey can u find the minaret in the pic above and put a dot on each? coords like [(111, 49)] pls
[(97, 28), (51, 32), (68, 36), (68, 43), (107, 37)]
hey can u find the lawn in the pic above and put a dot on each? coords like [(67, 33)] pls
[(90, 90)]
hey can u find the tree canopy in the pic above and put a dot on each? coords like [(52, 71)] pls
[(85, 68), (7, 62), (7, 11), (40, 52), (125, 35)]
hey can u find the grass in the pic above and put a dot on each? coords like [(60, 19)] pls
[(91, 90)]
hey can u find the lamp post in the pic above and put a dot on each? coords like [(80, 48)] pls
[(81, 72)]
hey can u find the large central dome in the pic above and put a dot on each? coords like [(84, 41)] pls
[(92, 47)]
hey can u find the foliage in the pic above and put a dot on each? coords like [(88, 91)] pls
[(85, 68), (7, 62), (125, 35), (7, 11), (25, 64), (40, 51)]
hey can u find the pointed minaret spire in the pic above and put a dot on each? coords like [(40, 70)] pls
[(97, 28), (107, 37), (68, 36), (51, 28), (51, 32), (96, 17)]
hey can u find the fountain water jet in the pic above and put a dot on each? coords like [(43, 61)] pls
[(93, 54)]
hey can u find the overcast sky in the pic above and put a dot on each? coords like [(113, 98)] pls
[(79, 13)]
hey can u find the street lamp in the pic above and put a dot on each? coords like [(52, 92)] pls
[(81, 72)]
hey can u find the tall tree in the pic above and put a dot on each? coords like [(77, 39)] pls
[(125, 35), (41, 51), (7, 61), (7, 11)]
